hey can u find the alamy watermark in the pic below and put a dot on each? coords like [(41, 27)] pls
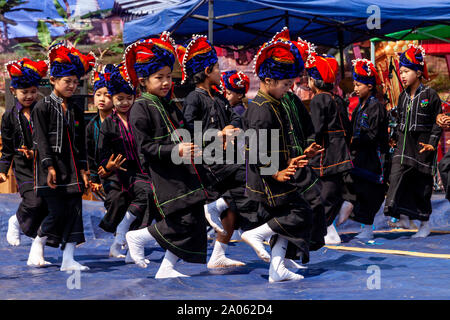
[(259, 147), (374, 20), (374, 280), (74, 280)]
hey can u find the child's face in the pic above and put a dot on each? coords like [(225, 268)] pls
[(65, 86), (233, 97), (159, 83), (102, 99), (408, 76), (278, 88), (27, 96), (214, 75), (123, 102), (361, 89), (311, 85)]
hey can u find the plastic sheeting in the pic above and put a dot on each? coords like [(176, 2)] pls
[(331, 274), (302, 19)]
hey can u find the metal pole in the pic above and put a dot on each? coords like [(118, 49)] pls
[(372, 52), (210, 21), (286, 19)]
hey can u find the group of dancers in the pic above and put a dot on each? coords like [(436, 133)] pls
[(317, 171)]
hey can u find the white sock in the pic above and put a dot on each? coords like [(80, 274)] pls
[(366, 233), (68, 261), (344, 212), (332, 236), (404, 222), (278, 271), (124, 227), (36, 256), (128, 258), (255, 238), (137, 240), (13, 234), (218, 258), (291, 264), (212, 214), (424, 230), (166, 270)]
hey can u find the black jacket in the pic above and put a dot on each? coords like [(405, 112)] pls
[(59, 141), (417, 123), (332, 131), (175, 186), (92, 135), (116, 139), (17, 131), (370, 139), (265, 113)]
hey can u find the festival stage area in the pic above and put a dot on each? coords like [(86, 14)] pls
[(407, 268)]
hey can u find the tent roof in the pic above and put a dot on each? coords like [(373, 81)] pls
[(318, 21), (433, 32)]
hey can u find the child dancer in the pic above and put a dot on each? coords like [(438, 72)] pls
[(414, 160), (103, 103), (121, 171), (289, 217), (205, 105), (60, 157), (17, 145), (178, 190), (235, 85), (368, 145), (332, 128)]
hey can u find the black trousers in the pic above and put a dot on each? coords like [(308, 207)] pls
[(294, 222), (64, 222), (369, 199), (336, 189), (31, 212), (135, 200), (409, 193), (183, 233)]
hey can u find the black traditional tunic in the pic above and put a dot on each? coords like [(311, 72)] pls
[(411, 179), (332, 131), (287, 212), (59, 141), (17, 131), (301, 136), (133, 184), (178, 190), (368, 147), (215, 113)]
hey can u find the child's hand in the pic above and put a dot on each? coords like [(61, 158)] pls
[(115, 164), (85, 176), (102, 172), (95, 187), (426, 147), (188, 150), (227, 134), (3, 177), (51, 177), (286, 174), (26, 152), (298, 162), (443, 121), (313, 150)]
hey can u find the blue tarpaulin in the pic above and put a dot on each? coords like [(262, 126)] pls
[(324, 22), (332, 273)]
